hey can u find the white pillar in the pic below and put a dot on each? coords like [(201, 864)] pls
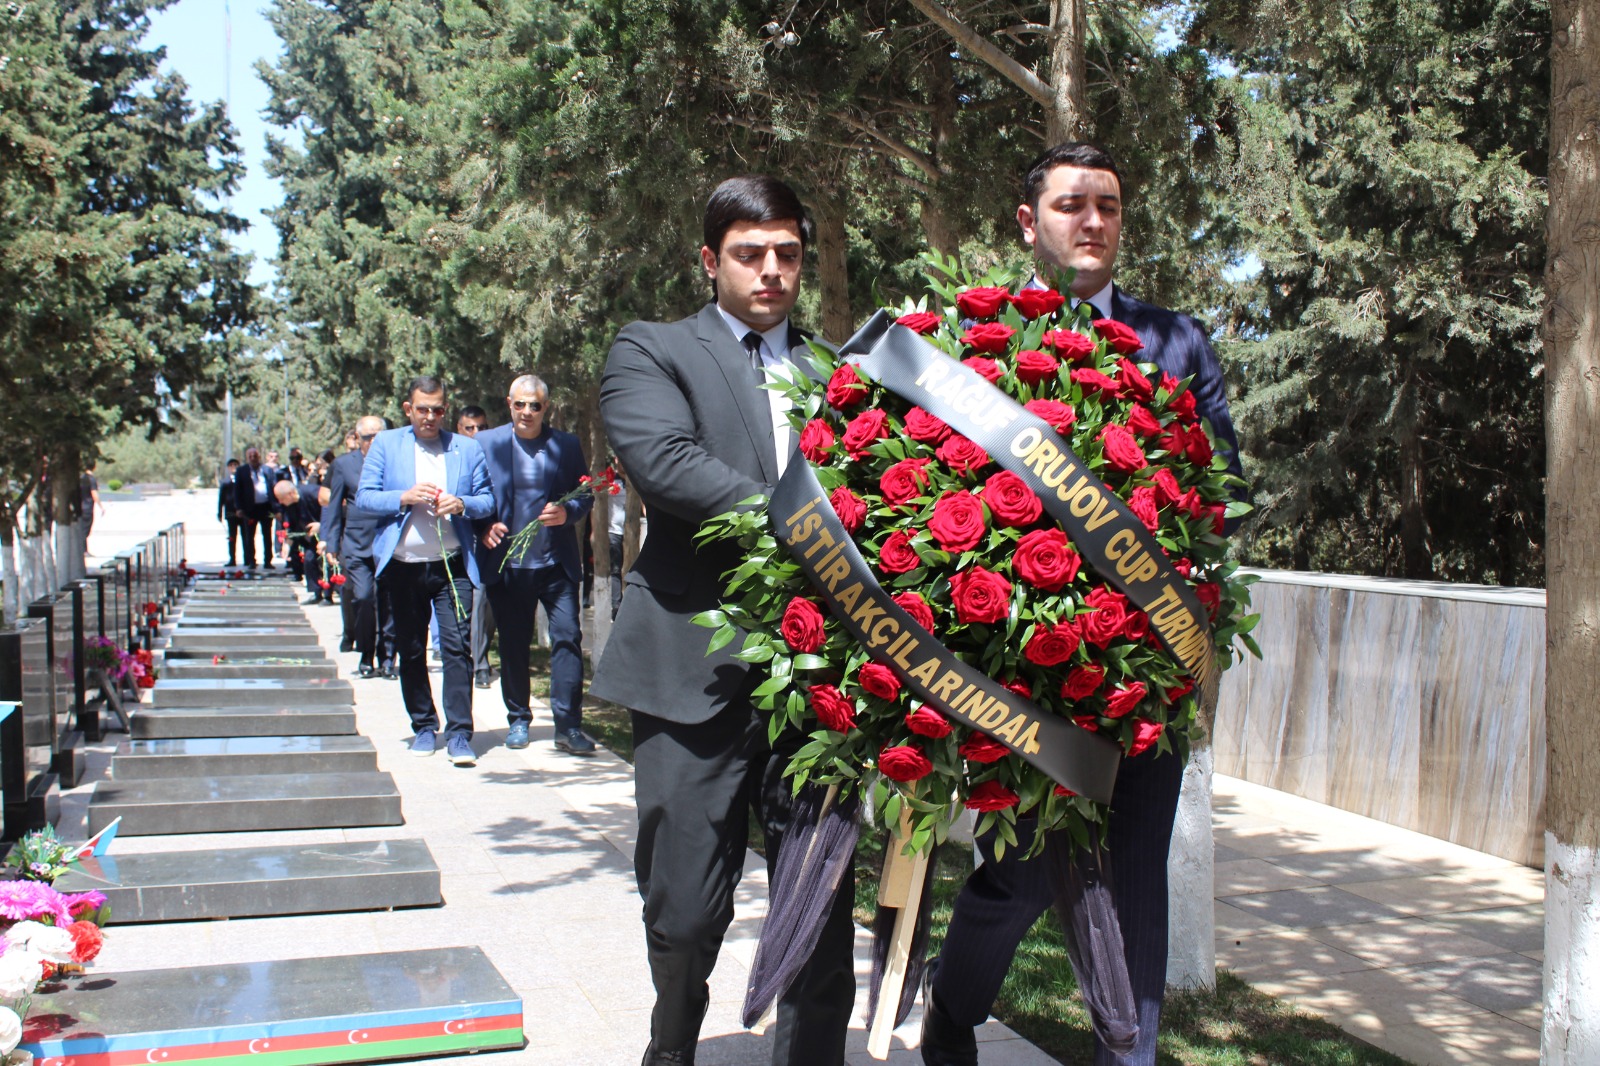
[(1571, 955), (1191, 864)]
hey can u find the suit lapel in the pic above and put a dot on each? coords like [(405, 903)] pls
[(452, 464), (754, 407)]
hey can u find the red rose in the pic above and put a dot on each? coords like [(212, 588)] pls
[(845, 388), (802, 625), (879, 680), (1053, 646), (981, 747), (851, 509), (1035, 302), (1198, 448), (324, 584), (1183, 565), (1210, 595), (1182, 405), (1045, 559), (1010, 500), (337, 579), (1135, 383), (897, 556), (1167, 488), (980, 595), (1180, 690), (1144, 504), (917, 607), (1082, 682), (1122, 449), (984, 301), (920, 321), (1142, 422), (864, 428), (991, 796), (1124, 698), (921, 426), (902, 762), (816, 437), (86, 941), (985, 368), (1020, 687), (927, 722), (1034, 367), (1060, 415), (904, 481), (1090, 722), (1069, 344), (957, 521), (1094, 383), (1064, 792), (1121, 338), (1137, 625), (833, 708), (962, 455), (990, 337), (1145, 735), (1105, 623)]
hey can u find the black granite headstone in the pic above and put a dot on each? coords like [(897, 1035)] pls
[(89, 618), (66, 756), (32, 796)]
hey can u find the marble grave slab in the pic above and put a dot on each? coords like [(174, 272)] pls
[(223, 756), (252, 692), (154, 723), (243, 803)]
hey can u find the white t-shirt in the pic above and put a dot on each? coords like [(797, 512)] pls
[(425, 537)]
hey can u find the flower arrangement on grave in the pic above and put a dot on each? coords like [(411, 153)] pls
[(143, 668), (984, 617), (522, 540), (104, 654), (44, 933)]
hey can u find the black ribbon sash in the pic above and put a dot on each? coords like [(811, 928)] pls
[(806, 523), (1111, 539)]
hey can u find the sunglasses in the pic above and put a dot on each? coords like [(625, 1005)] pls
[(526, 405), (365, 436), (426, 410)]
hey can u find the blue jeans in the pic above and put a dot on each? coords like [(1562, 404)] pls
[(415, 589), (513, 599)]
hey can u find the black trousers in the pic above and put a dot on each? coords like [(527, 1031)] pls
[(1002, 899), (695, 786), (416, 591), (252, 525), (368, 619), (513, 599), (233, 540)]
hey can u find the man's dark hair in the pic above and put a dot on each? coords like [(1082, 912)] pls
[(754, 198), (232, 463), (327, 456), (473, 411), (1071, 154), (424, 383), (296, 455)]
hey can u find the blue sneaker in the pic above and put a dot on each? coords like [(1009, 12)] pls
[(459, 749), (517, 735), (422, 744)]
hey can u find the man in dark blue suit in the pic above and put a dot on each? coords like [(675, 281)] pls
[(252, 496), (531, 465), (347, 533), (1071, 214)]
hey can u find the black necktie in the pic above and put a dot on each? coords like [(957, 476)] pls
[(752, 348)]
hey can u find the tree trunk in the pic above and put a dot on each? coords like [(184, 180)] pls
[(1571, 1032), (941, 90), (1416, 541), (1067, 119), (68, 522), (833, 271), (1191, 878), (9, 578)]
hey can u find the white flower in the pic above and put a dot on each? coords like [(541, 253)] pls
[(46, 940), (20, 972), (10, 1030)]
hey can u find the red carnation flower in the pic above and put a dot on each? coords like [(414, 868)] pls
[(322, 583), (1082, 682), (1145, 735), (991, 796), (897, 556), (920, 321), (923, 427), (1044, 559), (868, 426), (86, 941), (1124, 698), (851, 509), (913, 604), (984, 367), (802, 625), (1121, 338), (833, 708), (904, 481), (962, 455), (1010, 500), (879, 680), (337, 579), (983, 301), (845, 388), (1060, 415), (1070, 345), (980, 595), (990, 337), (1034, 367), (1033, 303), (1094, 383), (927, 722), (1122, 449), (957, 521), (902, 762), (1052, 646), (1135, 383), (816, 438), (981, 747)]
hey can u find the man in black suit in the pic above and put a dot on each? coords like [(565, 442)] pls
[(347, 533), (1071, 215), (228, 512), (252, 495), (683, 409)]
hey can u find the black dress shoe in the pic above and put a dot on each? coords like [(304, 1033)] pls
[(391, 670), (652, 1057), (576, 742), (367, 671), (483, 679), (945, 1041), (347, 645)]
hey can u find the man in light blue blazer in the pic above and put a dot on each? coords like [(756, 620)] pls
[(426, 485)]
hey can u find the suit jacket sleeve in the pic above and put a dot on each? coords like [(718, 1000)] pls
[(479, 499), (651, 425), (333, 514), (372, 494)]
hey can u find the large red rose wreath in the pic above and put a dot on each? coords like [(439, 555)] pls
[(967, 551)]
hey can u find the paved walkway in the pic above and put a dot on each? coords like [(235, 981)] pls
[(1418, 946)]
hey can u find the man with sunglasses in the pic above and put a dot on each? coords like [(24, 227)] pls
[(347, 541), (427, 485), (532, 465)]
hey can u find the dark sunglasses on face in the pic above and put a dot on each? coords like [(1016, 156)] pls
[(526, 405), (426, 411), (365, 436)]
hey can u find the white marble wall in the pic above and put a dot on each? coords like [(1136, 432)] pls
[(1418, 703)]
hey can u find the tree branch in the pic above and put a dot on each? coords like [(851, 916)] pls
[(972, 41)]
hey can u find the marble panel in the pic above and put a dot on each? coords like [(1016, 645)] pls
[(284, 666), (222, 756), (175, 722), (252, 692), (246, 638), (246, 802)]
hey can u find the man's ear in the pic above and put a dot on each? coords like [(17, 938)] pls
[(1025, 222), (708, 260)]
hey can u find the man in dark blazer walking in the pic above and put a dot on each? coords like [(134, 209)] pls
[(1071, 215), (685, 414), (347, 534), (252, 495), (531, 465)]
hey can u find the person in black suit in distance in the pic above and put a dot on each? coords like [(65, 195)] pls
[(298, 512), (347, 533), (252, 495), (469, 423), (228, 512), (1071, 215), (683, 409)]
